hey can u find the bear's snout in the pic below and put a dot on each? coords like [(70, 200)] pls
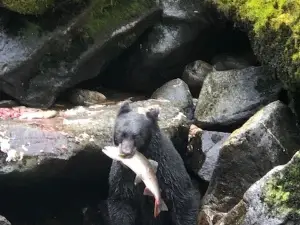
[(127, 148)]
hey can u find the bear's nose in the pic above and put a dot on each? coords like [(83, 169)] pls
[(127, 148)]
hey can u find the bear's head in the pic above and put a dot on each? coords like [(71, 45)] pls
[(133, 131)]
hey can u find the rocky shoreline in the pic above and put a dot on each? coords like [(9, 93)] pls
[(65, 70)]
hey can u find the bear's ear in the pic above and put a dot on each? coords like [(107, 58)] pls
[(125, 108), (153, 113)]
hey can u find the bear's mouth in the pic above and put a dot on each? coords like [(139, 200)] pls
[(127, 149), (126, 156)]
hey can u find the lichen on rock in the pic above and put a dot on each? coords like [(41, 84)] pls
[(274, 30)]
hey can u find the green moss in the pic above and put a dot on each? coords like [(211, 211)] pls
[(275, 35), (34, 7), (106, 14), (263, 12), (28, 6), (282, 192)]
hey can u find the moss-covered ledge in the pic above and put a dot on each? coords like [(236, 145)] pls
[(33, 7), (274, 31), (28, 6)]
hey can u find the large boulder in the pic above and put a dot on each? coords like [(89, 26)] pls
[(40, 58), (273, 29), (228, 98), (273, 200), (268, 139), (64, 151)]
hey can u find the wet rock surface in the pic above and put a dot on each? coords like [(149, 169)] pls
[(267, 139), (162, 53), (229, 98), (37, 63)]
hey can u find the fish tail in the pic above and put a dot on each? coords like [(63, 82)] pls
[(156, 209), (159, 206)]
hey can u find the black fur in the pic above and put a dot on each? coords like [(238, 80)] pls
[(126, 203)]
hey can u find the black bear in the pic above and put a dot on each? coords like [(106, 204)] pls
[(127, 205)]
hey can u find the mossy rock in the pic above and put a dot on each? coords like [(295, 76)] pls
[(281, 192), (274, 31), (106, 15), (28, 6)]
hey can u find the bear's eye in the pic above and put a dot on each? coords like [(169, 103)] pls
[(124, 135), (134, 136)]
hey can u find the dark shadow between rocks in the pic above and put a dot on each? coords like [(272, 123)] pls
[(233, 40), (38, 196), (137, 71), (201, 184), (220, 128)]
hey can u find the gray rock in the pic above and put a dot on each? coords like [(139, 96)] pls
[(273, 200), (85, 97), (177, 92), (268, 139), (229, 98), (194, 75), (4, 221), (229, 61), (211, 144), (40, 60)]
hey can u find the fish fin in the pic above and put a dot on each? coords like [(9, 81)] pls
[(163, 206), (159, 206), (137, 180), (153, 164), (147, 192)]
